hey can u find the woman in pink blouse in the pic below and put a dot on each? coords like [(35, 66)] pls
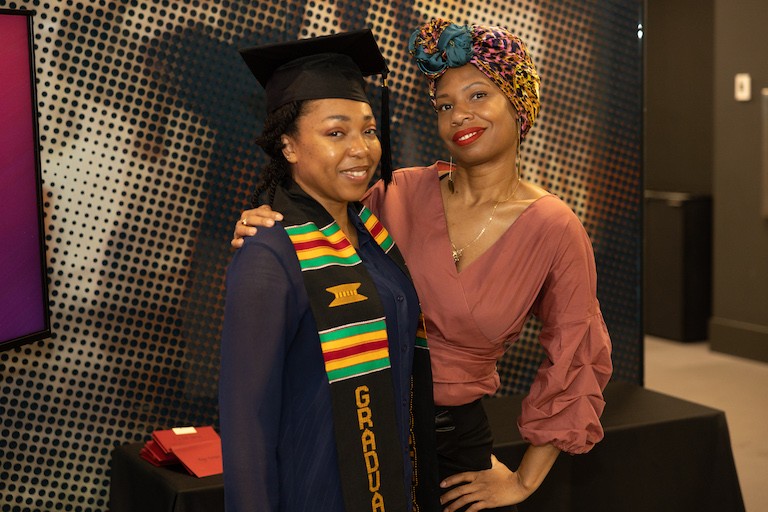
[(487, 249)]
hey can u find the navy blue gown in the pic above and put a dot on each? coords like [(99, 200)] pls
[(275, 411)]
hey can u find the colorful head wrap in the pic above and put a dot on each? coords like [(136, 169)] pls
[(500, 55)]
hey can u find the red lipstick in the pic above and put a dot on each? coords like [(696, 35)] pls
[(467, 136)]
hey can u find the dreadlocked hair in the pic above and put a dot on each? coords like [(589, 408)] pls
[(281, 121)]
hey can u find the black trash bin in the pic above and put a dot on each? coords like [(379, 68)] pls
[(678, 265)]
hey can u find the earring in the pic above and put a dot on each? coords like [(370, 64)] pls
[(450, 177), (519, 164)]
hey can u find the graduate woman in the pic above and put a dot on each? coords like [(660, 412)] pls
[(325, 389)]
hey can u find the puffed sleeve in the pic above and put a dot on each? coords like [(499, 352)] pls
[(565, 401), (258, 310)]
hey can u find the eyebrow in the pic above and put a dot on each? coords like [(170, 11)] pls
[(344, 117), (468, 86)]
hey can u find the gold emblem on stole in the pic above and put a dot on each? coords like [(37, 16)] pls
[(345, 294)]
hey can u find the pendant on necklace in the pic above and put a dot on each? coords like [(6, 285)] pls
[(456, 255)]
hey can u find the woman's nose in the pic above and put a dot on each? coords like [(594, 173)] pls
[(358, 146), (459, 115)]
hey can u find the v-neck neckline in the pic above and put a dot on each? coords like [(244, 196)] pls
[(447, 250)]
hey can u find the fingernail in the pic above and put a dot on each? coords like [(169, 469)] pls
[(270, 222), (443, 484), (279, 217)]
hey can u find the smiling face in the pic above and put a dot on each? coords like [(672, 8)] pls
[(334, 152), (476, 121)]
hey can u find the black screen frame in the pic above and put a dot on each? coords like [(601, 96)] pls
[(45, 332)]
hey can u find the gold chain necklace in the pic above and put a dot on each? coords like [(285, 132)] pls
[(457, 253)]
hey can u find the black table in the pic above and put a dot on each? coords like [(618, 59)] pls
[(659, 454), (138, 486)]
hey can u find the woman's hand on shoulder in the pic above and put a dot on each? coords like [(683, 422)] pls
[(490, 488), (263, 216)]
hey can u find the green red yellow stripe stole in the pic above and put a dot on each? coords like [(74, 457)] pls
[(355, 349), (360, 347), (353, 336), (319, 247)]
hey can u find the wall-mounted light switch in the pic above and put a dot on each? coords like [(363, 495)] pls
[(742, 87)]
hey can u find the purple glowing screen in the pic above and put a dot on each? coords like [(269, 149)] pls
[(23, 297)]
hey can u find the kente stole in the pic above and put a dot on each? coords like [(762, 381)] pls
[(353, 336)]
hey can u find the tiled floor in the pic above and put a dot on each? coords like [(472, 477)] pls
[(734, 385)]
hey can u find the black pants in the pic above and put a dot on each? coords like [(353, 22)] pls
[(464, 442)]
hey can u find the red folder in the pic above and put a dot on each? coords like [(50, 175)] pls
[(180, 436), (152, 452), (201, 459), (198, 449)]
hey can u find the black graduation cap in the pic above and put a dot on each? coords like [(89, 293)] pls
[(330, 66)]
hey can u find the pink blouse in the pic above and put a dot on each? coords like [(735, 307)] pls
[(543, 264)]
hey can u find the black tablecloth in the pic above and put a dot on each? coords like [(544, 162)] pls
[(138, 486), (660, 454)]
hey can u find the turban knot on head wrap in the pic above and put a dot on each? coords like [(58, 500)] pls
[(500, 55)]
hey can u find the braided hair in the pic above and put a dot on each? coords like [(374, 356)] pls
[(281, 121)]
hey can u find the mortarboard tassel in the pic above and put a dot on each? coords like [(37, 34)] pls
[(386, 154)]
